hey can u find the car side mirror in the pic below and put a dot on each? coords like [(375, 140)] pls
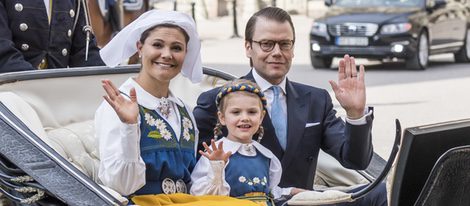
[(328, 2)]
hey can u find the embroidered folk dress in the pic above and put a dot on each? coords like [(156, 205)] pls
[(252, 170), (136, 159), (248, 182), (166, 158)]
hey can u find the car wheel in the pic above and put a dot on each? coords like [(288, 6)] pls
[(321, 62), (419, 60), (463, 55)]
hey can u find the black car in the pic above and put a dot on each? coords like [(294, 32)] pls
[(388, 29)]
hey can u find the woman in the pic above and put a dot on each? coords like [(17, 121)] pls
[(147, 135)]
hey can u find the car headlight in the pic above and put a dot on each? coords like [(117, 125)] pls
[(395, 28), (319, 29)]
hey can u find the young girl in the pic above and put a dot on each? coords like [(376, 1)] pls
[(236, 165)]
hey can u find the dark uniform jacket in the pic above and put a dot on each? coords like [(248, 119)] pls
[(312, 125), (27, 39)]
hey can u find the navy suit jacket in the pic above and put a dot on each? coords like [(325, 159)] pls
[(351, 145)]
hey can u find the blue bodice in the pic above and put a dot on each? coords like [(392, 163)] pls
[(247, 174), (164, 155)]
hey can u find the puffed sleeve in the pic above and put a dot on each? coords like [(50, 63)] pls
[(121, 167), (275, 173), (208, 178)]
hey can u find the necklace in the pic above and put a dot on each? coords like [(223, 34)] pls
[(164, 107)]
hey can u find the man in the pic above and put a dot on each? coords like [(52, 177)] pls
[(301, 118), (45, 34)]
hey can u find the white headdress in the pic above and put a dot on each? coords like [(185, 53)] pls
[(123, 45)]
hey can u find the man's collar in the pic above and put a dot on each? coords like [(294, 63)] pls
[(265, 85)]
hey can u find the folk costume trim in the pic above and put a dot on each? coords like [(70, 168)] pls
[(254, 181)]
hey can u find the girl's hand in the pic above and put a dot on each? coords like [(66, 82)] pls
[(216, 153), (127, 110)]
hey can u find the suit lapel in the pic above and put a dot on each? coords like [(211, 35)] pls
[(296, 118)]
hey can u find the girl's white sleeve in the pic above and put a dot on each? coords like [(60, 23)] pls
[(208, 178), (121, 167), (275, 173)]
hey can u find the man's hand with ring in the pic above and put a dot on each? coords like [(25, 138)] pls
[(350, 89)]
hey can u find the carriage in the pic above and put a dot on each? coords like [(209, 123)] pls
[(49, 155)]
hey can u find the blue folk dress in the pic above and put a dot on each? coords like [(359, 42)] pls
[(168, 161), (248, 177)]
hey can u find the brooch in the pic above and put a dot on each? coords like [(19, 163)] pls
[(164, 107)]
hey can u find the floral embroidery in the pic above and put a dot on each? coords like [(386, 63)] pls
[(254, 181), (187, 125), (161, 131), (148, 118), (160, 124), (242, 179), (186, 135), (166, 134)]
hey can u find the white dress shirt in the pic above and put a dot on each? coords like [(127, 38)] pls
[(121, 167), (48, 6), (268, 92)]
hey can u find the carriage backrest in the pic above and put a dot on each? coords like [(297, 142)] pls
[(448, 183)]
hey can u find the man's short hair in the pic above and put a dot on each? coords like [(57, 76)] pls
[(270, 13)]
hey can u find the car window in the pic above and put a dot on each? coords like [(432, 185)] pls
[(377, 3)]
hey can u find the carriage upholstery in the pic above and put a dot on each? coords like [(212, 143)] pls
[(448, 182), (60, 111)]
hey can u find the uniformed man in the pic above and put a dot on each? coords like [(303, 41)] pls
[(45, 34)]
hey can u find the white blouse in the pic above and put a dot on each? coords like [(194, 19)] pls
[(121, 167), (208, 177)]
